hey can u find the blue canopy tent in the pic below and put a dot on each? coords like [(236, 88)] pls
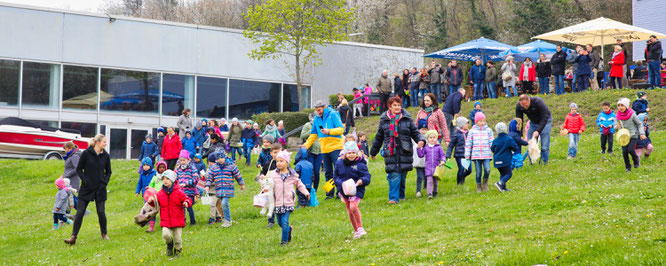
[(154, 95), (533, 49), (481, 48)]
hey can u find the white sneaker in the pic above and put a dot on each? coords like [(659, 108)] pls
[(226, 223), (418, 194), (357, 235), (361, 232)]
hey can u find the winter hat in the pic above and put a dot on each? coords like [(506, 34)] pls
[(223, 120), (146, 160), (161, 163), (478, 116), (624, 101), (60, 183), (219, 153), (184, 154), (479, 103), (160, 129), (573, 106), (431, 132), (255, 124), (320, 103), (350, 146), (640, 94), (198, 156), (461, 121), (248, 122), (642, 117), (284, 155), (149, 136), (211, 157), (204, 120), (501, 128), (170, 174), (508, 58), (269, 138), (233, 120)]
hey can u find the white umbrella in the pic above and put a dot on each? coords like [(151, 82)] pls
[(601, 31)]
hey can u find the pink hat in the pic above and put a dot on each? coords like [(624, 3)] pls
[(478, 116), (60, 183), (284, 155), (184, 154)]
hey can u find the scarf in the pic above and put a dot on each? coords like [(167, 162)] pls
[(609, 111), (68, 154), (168, 190), (393, 129), (615, 54), (271, 128), (429, 109), (624, 116)]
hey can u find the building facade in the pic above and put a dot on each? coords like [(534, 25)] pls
[(647, 14), (124, 77)]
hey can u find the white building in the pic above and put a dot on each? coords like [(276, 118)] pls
[(124, 77), (648, 14)]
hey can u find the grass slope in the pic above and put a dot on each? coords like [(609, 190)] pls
[(584, 211)]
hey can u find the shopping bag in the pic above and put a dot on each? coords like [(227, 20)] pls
[(313, 198), (206, 199), (349, 187), (439, 173)]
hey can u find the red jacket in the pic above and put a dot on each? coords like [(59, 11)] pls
[(531, 73), (171, 207), (171, 147), (616, 66), (574, 123)]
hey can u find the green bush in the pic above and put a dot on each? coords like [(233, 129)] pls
[(333, 99), (291, 120)]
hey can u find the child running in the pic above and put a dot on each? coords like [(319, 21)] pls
[(515, 134), (285, 180), (222, 174), (188, 177), (156, 183), (477, 149), (146, 176), (215, 207), (644, 146), (626, 118), (503, 148), (435, 156), (352, 167), (606, 122), (304, 169), (457, 149), (575, 125), (271, 129), (60, 206), (172, 201)]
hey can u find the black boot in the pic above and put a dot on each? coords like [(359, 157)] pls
[(176, 252), (169, 251)]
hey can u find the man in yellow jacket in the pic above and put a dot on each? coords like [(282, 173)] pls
[(328, 129)]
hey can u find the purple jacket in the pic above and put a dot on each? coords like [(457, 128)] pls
[(434, 155)]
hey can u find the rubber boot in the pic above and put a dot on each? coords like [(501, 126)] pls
[(478, 187), (169, 249), (71, 241), (151, 227), (485, 184)]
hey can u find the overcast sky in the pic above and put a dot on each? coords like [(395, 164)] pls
[(80, 5)]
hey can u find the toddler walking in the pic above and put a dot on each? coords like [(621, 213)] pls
[(434, 156), (60, 206)]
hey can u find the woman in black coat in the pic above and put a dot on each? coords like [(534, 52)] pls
[(397, 146), (94, 169)]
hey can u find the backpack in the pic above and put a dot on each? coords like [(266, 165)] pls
[(423, 122)]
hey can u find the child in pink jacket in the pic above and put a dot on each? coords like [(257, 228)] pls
[(285, 179)]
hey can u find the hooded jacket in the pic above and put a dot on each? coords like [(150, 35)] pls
[(642, 143), (145, 177), (149, 150), (477, 145), (330, 119), (171, 147), (222, 176), (515, 133), (171, 201), (156, 182), (303, 167), (401, 160), (199, 134), (457, 144), (574, 123), (188, 177), (283, 190), (607, 121), (558, 62), (249, 138), (354, 170), (70, 169), (190, 145), (434, 155), (639, 106), (95, 172), (503, 148)]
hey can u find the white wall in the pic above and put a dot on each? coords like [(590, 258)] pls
[(648, 14)]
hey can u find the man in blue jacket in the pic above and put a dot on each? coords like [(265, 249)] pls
[(477, 75), (452, 106), (584, 70)]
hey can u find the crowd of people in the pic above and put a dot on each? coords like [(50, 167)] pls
[(197, 160)]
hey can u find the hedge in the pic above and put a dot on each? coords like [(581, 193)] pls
[(333, 99), (291, 120)]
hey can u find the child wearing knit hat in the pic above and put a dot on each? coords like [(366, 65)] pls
[(575, 125), (188, 177), (477, 149), (222, 175), (456, 149), (503, 148), (477, 109), (627, 119), (435, 156), (353, 167), (285, 179), (60, 205)]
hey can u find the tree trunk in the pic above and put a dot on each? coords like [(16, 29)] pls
[(299, 82)]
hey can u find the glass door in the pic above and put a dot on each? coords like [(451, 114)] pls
[(117, 143), (137, 138)]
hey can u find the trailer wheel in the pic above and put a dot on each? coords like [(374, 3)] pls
[(53, 155)]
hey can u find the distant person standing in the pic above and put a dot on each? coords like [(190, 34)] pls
[(184, 123), (617, 72), (558, 63), (477, 75), (435, 71), (527, 76), (454, 77), (625, 68), (594, 64), (385, 88), (583, 69), (543, 71), (508, 71), (653, 57), (414, 81), (491, 79)]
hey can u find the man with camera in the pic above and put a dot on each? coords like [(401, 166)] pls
[(435, 71), (653, 57)]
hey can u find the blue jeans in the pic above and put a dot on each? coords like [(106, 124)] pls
[(482, 165), (396, 182), (422, 93), (505, 174), (490, 86), (436, 89), (654, 73), (574, 83), (508, 91), (583, 82), (478, 91), (462, 172), (190, 211), (225, 208), (283, 222), (235, 150), (329, 160), (247, 152), (573, 144), (545, 139), (544, 85), (559, 84), (315, 160), (453, 88), (414, 96), (420, 178)]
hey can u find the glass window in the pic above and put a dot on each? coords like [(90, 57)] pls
[(88, 130), (45, 123), (211, 97), (40, 84), (177, 94), (130, 90), (138, 136), (252, 97), (118, 143), (290, 98), (79, 88), (9, 82)]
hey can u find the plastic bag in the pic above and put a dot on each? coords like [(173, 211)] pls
[(313, 198), (206, 199), (466, 164), (533, 150)]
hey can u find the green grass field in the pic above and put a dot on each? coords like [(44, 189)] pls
[(582, 211)]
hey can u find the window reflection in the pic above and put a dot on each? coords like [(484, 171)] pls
[(130, 90), (290, 98), (9, 82), (79, 88), (88, 130), (177, 94), (211, 97), (253, 97), (40, 84)]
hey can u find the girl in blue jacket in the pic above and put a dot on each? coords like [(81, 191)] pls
[(351, 166)]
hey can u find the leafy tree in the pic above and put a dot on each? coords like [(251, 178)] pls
[(296, 28)]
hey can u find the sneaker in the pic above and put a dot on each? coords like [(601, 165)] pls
[(176, 253), (499, 187), (418, 194), (637, 165), (211, 221), (569, 157), (55, 227), (392, 202), (270, 225), (226, 223), (627, 170), (429, 196), (361, 231), (603, 152), (356, 235), (69, 221), (218, 220), (169, 250), (284, 243)]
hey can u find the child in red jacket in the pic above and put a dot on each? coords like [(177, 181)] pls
[(575, 125), (172, 215)]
